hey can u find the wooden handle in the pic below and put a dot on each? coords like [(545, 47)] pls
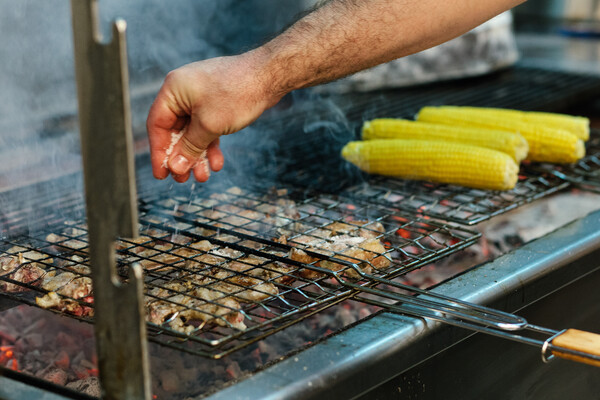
[(574, 339)]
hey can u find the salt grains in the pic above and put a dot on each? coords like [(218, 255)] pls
[(175, 137)]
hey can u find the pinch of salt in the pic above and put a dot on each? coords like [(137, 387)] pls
[(175, 137), (204, 162)]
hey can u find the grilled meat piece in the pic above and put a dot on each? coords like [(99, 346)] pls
[(349, 241), (178, 304), (74, 264), (20, 265), (63, 291)]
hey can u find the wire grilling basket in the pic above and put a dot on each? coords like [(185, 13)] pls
[(227, 270)]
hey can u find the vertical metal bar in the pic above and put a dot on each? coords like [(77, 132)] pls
[(108, 166)]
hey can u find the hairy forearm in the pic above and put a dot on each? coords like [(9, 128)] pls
[(345, 36)]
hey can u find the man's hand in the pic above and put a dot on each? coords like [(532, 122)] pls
[(216, 97), (197, 104)]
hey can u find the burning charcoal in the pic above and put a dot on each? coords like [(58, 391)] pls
[(62, 360), (6, 337), (269, 350), (233, 370), (56, 376), (346, 316), (89, 386), (30, 341), (77, 358), (80, 372)]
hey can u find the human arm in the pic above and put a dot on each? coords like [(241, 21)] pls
[(223, 95)]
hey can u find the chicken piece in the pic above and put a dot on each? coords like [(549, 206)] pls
[(178, 305), (13, 267), (68, 284), (244, 288), (164, 262), (63, 291), (27, 267), (74, 264), (263, 269), (64, 244), (343, 241), (362, 229), (145, 243)]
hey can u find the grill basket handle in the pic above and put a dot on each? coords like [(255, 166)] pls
[(577, 341)]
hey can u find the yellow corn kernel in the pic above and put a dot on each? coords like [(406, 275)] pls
[(439, 161), (510, 143), (578, 126), (546, 143)]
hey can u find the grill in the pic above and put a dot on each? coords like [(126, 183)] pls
[(201, 247), (238, 241), (248, 234)]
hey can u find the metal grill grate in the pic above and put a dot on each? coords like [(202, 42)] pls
[(313, 160), (454, 203), (225, 270)]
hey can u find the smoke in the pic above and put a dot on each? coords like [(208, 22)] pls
[(38, 103)]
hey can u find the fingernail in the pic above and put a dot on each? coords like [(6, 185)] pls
[(180, 164)]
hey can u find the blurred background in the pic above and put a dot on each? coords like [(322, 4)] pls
[(37, 96)]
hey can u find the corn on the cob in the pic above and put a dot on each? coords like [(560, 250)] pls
[(578, 126), (510, 143), (439, 161), (546, 143)]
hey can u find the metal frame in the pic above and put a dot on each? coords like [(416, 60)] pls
[(107, 152)]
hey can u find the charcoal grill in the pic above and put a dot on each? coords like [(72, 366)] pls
[(217, 215), (416, 232), (181, 221)]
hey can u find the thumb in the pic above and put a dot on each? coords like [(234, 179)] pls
[(191, 148)]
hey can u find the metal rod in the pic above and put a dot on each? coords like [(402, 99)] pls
[(106, 144), (544, 345)]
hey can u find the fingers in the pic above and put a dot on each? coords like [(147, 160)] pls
[(181, 178), (202, 170), (191, 149), (215, 156), (213, 161), (161, 122)]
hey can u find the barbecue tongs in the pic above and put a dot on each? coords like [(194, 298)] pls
[(108, 167)]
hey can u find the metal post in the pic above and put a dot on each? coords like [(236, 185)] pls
[(111, 200)]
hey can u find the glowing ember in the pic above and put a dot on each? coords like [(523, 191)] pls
[(403, 233), (7, 357)]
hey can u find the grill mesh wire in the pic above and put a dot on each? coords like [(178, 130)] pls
[(175, 223), (213, 261), (455, 203)]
